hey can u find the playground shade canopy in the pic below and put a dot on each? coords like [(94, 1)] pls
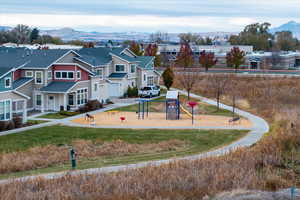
[(172, 95)]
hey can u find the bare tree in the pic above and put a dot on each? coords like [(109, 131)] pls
[(188, 80), (217, 84), (233, 91)]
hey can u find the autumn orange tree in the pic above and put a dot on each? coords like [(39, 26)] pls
[(151, 50), (207, 59), (235, 58), (136, 48), (185, 56)]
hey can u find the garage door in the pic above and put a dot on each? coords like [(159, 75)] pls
[(114, 90)]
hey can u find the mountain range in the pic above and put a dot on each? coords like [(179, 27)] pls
[(68, 34), (291, 26)]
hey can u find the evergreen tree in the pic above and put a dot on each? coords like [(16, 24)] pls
[(168, 77), (34, 35)]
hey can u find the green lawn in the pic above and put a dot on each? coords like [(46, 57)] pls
[(58, 115), (197, 141), (35, 122)]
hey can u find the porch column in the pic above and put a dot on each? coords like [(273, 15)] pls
[(25, 111), (65, 102), (42, 103)]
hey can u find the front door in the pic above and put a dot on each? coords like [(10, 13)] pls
[(51, 103)]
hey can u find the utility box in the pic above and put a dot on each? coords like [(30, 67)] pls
[(172, 105)]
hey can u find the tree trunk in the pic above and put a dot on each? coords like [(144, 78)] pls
[(188, 91), (218, 100), (233, 105)]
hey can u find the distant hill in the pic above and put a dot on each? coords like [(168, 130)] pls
[(5, 28), (291, 26)]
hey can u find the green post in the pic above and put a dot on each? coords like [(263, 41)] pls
[(73, 158)]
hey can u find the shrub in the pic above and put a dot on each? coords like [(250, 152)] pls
[(68, 113), (18, 121), (11, 125), (132, 92), (90, 106), (3, 125)]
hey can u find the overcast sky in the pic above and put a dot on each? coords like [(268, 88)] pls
[(148, 15)]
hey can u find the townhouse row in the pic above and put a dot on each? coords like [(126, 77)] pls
[(52, 80)]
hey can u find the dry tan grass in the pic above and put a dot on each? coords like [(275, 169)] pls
[(265, 166), (41, 157)]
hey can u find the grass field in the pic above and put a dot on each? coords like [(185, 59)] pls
[(196, 140), (58, 115)]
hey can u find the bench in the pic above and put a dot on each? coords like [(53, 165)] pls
[(234, 120)]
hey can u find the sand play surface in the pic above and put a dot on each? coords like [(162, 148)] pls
[(159, 119)]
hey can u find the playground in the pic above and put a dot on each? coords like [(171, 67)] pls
[(163, 112)]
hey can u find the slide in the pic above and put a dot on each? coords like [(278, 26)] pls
[(186, 111)]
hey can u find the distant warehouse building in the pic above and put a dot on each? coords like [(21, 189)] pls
[(254, 60)]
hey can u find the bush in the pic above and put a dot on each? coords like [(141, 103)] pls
[(90, 106), (132, 92), (68, 113), (11, 125), (18, 121), (3, 125)]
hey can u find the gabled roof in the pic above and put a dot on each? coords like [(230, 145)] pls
[(21, 81), (98, 56), (58, 87), (117, 75), (145, 61), (28, 58)]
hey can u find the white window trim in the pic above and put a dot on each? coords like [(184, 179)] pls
[(134, 68), (35, 100), (120, 71), (78, 77), (26, 75), (10, 114), (42, 77), (5, 79), (61, 74), (101, 76), (49, 72), (87, 97)]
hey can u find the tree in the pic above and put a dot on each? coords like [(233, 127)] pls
[(151, 50), (34, 35), (207, 59), (188, 80), (217, 84), (185, 56), (136, 48), (235, 58), (285, 41), (256, 35), (89, 45), (159, 37), (22, 33), (168, 77)]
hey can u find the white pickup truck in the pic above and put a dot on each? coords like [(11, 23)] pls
[(149, 91)]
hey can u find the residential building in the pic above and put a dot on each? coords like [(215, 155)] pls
[(62, 79)]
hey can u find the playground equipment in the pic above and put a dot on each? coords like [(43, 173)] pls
[(186, 111), (122, 119), (172, 106), (192, 104)]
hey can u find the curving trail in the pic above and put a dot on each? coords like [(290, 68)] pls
[(260, 127)]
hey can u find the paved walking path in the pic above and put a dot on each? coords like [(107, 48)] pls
[(260, 127)]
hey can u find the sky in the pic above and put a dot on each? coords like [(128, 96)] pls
[(148, 15)]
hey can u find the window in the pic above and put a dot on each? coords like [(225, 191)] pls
[(78, 75), (82, 96), (29, 74), (38, 100), (64, 74), (120, 68), (99, 72), (7, 82), (132, 68), (150, 81), (144, 77), (49, 75), (71, 99), (95, 87), (5, 110), (39, 77)]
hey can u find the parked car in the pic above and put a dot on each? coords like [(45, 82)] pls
[(149, 91)]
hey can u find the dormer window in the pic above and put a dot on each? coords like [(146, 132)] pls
[(29, 74), (39, 77), (7, 82)]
